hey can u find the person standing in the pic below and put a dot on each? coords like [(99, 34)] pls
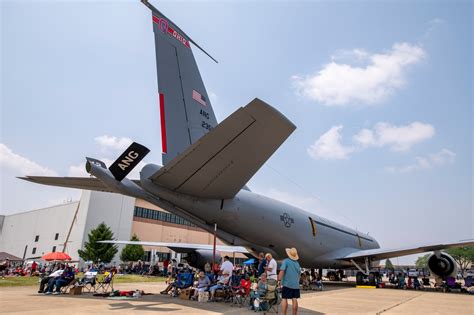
[(262, 263), (33, 268), (271, 268), (166, 262), (227, 266), (289, 276)]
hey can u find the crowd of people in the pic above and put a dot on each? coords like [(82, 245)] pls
[(252, 282), (18, 268)]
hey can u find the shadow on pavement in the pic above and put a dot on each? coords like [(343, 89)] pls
[(166, 303)]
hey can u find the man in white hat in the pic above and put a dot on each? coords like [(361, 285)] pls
[(289, 276)]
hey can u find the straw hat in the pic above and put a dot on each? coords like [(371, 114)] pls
[(292, 253)]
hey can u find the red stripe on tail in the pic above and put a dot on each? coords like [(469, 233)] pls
[(163, 123)]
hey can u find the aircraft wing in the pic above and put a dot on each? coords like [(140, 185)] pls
[(183, 247), (86, 183), (220, 163), (379, 253)]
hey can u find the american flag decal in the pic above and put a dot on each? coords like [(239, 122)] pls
[(199, 98)]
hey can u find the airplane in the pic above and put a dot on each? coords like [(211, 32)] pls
[(206, 166)]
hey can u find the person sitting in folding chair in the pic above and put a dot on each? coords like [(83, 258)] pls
[(203, 284), (262, 288), (222, 281), (66, 277), (88, 281), (49, 280), (107, 283), (242, 293), (184, 280)]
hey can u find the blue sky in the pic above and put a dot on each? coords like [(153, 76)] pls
[(381, 93)]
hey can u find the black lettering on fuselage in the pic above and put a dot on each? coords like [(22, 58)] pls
[(204, 113), (206, 125)]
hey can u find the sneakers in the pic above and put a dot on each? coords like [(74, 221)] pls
[(40, 291), (47, 293), (56, 293)]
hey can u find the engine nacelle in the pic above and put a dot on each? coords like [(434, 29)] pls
[(200, 257), (442, 265)]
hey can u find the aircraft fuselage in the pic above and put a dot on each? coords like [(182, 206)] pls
[(263, 224)]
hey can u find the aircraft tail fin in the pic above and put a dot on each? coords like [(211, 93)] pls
[(186, 113)]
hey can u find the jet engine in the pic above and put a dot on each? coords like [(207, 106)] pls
[(200, 257), (442, 265)]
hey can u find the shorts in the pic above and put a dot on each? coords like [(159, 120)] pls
[(287, 293)]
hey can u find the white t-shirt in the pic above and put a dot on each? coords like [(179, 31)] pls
[(57, 273), (227, 266), (273, 266)]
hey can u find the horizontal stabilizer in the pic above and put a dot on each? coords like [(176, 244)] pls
[(380, 253), (219, 164), (86, 183), (183, 247)]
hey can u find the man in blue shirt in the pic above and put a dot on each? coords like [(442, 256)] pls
[(262, 263), (289, 277)]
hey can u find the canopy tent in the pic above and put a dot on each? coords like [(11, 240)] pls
[(250, 261), (4, 256), (56, 256)]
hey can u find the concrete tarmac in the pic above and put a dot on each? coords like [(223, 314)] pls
[(333, 300)]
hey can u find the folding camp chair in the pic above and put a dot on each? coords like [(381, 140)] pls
[(106, 284), (184, 281), (65, 289), (89, 281), (271, 301)]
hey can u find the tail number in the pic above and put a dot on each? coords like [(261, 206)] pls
[(205, 125)]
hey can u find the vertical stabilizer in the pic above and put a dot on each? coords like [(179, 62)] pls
[(185, 109)]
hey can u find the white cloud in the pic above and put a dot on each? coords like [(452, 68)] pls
[(78, 170), (339, 84), (441, 158), (21, 165), (432, 26), (329, 146), (213, 97), (397, 138), (114, 143)]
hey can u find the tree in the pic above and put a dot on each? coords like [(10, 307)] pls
[(99, 252), (422, 261), (132, 252), (389, 265), (464, 256)]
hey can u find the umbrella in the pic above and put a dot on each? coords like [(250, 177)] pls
[(250, 261), (56, 256)]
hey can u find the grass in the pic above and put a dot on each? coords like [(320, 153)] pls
[(137, 278), (32, 281), (18, 281)]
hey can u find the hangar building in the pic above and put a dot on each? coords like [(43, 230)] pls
[(34, 233)]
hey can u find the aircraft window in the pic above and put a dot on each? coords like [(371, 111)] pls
[(313, 226)]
